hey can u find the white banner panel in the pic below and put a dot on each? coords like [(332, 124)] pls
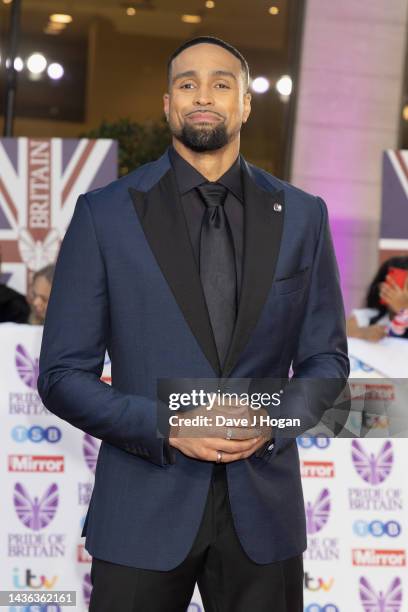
[(355, 491)]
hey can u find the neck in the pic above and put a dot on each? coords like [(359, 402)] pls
[(211, 164)]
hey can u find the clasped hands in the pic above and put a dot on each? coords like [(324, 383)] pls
[(236, 442)]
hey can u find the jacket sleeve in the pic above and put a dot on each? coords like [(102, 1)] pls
[(75, 337), (320, 363)]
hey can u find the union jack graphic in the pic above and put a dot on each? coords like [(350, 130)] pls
[(394, 211), (40, 181)]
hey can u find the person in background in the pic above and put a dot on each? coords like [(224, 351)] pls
[(14, 307), (378, 320), (39, 294)]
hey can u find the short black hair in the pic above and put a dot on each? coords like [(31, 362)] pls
[(211, 40)]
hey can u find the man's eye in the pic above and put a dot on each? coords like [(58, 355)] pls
[(186, 85), (223, 85)]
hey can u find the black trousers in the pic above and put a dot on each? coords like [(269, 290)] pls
[(228, 580)]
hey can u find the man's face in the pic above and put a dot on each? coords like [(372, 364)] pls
[(206, 104), (40, 294)]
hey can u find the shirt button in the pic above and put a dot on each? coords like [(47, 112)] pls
[(270, 447)]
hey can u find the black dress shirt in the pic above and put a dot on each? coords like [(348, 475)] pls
[(188, 178)]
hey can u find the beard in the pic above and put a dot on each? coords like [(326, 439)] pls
[(201, 139)]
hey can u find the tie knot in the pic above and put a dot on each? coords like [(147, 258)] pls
[(213, 194)]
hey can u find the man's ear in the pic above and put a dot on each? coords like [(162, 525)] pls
[(247, 106), (166, 102)]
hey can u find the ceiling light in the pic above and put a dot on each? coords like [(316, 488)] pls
[(274, 10), (130, 11), (58, 27), (18, 64), (36, 63), (260, 84), (210, 4), (191, 18), (55, 71), (60, 18), (7, 1), (284, 85)]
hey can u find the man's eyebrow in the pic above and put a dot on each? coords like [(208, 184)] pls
[(224, 73), (186, 73), (191, 73)]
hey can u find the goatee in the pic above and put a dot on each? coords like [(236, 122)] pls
[(203, 139)]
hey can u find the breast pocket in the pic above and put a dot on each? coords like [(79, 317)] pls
[(293, 283)]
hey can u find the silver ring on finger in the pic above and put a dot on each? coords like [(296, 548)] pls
[(219, 456)]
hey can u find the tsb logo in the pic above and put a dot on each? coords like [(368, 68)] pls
[(313, 441), (377, 528), (36, 434), (46, 608), (314, 607)]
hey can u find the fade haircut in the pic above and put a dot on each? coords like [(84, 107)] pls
[(211, 40)]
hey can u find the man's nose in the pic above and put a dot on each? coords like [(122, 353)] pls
[(203, 96)]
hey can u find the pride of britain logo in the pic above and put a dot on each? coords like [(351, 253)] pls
[(36, 513), (317, 514), (27, 402), (379, 601), (90, 449), (27, 367), (373, 468)]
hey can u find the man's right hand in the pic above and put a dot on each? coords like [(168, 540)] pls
[(206, 448), (242, 441)]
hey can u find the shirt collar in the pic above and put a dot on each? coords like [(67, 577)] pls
[(188, 177)]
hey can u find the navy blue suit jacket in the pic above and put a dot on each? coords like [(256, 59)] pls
[(126, 281)]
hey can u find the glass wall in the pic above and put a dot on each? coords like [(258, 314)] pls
[(107, 60)]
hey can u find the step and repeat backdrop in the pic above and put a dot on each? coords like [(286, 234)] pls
[(355, 491), (40, 181)]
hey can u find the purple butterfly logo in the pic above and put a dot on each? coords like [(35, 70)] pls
[(27, 368), (372, 468), (381, 602), (35, 513), (317, 514), (90, 448), (87, 588)]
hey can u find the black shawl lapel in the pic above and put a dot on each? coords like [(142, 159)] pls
[(163, 222), (264, 215)]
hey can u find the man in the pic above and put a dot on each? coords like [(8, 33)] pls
[(196, 266), (39, 294)]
